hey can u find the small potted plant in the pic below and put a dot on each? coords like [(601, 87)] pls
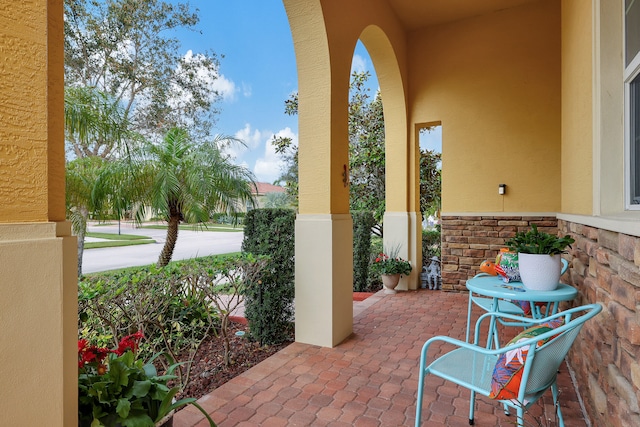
[(539, 257), (390, 266), (115, 389)]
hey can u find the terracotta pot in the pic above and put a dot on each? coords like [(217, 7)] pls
[(390, 281)]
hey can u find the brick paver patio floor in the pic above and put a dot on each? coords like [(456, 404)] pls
[(370, 379)]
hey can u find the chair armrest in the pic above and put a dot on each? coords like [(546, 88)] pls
[(527, 321), (498, 351)]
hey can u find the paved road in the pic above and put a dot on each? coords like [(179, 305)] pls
[(190, 244)]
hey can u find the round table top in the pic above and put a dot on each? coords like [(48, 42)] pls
[(494, 286)]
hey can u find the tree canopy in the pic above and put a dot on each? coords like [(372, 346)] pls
[(366, 155), (125, 48)]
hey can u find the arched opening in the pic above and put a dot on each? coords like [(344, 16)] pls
[(401, 218)]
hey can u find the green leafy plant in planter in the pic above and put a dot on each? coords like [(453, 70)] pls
[(117, 389), (539, 242), (539, 260), (388, 262)]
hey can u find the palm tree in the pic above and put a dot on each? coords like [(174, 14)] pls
[(81, 196), (187, 182), (97, 130), (95, 124)]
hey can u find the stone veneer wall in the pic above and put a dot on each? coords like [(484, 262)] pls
[(605, 358), (605, 268), (469, 240)]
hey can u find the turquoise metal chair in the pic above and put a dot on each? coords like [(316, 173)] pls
[(471, 365)]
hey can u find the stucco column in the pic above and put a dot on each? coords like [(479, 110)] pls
[(324, 248), (38, 285), (324, 279)]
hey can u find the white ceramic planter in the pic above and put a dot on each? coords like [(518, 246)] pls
[(539, 272), (390, 281)]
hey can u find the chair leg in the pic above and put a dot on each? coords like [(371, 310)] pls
[(420, 394), (556, 403), (472, 406), (520, 416)]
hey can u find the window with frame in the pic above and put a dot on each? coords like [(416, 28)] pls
[(632, 100)]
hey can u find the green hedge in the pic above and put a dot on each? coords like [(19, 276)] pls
[(431, 244), (269, 303), (363, 221)]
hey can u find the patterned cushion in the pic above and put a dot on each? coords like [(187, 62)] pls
[(526, 305), (507, 373)]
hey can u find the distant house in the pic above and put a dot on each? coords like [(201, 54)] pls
[(261, 189)]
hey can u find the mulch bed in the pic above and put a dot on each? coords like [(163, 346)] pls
[(208, 371)]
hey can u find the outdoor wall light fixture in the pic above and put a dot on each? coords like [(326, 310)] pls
[(502, 189)]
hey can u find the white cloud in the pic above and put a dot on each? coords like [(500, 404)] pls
[(246, 90), (251, 137), (225, 88), (358, 64), (269, 167)]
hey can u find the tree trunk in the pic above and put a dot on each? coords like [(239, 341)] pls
[(170, 243), (81, 232)]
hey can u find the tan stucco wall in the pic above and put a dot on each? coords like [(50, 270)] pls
[(577, 107), (31, 169), (494, 83), (38, 289), (38, 314), (324, 52), (325, 34)]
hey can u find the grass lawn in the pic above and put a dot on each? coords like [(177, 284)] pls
[(209, 227), (116, 240)]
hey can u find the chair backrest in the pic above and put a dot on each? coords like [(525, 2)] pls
[(542, 363)]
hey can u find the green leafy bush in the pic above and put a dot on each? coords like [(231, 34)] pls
[(431, 244), (224, 283), (174, 316), (174, 306), (363, 221), (117, 388), (269, 301), (388, 262)]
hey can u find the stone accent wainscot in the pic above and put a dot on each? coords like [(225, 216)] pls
[(605, 269), (469, 240)]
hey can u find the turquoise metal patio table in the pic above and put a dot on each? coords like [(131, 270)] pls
[(500, 294)]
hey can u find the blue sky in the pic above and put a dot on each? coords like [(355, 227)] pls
[(257, 74)]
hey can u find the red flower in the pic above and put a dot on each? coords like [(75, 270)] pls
[(130, 342), (378, 260)]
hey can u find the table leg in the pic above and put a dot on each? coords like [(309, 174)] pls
[(469, 316)]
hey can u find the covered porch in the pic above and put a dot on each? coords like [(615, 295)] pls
[(370, 379)]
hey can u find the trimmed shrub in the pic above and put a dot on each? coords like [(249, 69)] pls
[(431, 245), (375, 280), (362, 223), (269, 302)]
